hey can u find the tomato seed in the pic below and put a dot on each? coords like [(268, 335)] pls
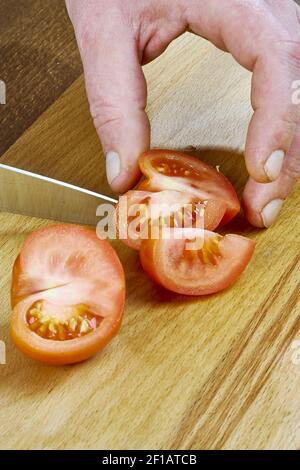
[(49, 327)]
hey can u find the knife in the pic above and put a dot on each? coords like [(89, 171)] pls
[(23, 192)]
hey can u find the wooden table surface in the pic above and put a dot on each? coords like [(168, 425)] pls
[(218, 372)]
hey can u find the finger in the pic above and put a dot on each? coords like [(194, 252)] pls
[(264, 38), (263, 202), (117, 93), (275, 118)]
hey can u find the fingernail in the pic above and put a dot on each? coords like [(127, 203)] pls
[(113, 166), (274, 164), (270, 212)]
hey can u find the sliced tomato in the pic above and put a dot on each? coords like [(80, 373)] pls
[(214, 266), (168, 169), (68, 294), (137, 211)]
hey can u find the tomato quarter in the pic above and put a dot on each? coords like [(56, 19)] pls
[(209, 269), (67, 295), (171, 170), (137, 211)]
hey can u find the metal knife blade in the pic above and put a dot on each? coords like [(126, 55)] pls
[(27, 193)]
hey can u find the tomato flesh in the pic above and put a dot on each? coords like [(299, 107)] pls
[(67, 294), (174, 209), (41, 319), (168, 169), (207, 270)]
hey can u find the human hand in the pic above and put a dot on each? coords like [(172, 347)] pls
[(116, 37)]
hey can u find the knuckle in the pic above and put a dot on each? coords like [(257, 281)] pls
[(291, 173), (287, 124), (293, 53), (292, 168), (290, 53), (87, 37), (253, 10), (104, 113), (285, 130)]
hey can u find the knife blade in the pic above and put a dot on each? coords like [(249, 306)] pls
[(23, 192)]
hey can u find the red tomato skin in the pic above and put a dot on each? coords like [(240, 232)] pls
[(152, 263), (212, 219), (152, 180), (59, 353), (23, 295)]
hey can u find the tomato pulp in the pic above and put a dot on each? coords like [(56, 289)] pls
[(68, 294), (211, 267), (168, 169), (168, 177)]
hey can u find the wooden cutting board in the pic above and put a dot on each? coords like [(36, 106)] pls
[(217, 372)]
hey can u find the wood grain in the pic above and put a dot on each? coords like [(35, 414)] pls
[(210, 373), (39, 60)]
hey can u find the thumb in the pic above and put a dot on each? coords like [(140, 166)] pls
[(117, 94)]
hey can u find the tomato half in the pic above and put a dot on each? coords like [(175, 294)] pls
[(68, 294), (212, 268), (137, 211), (168, 169)]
